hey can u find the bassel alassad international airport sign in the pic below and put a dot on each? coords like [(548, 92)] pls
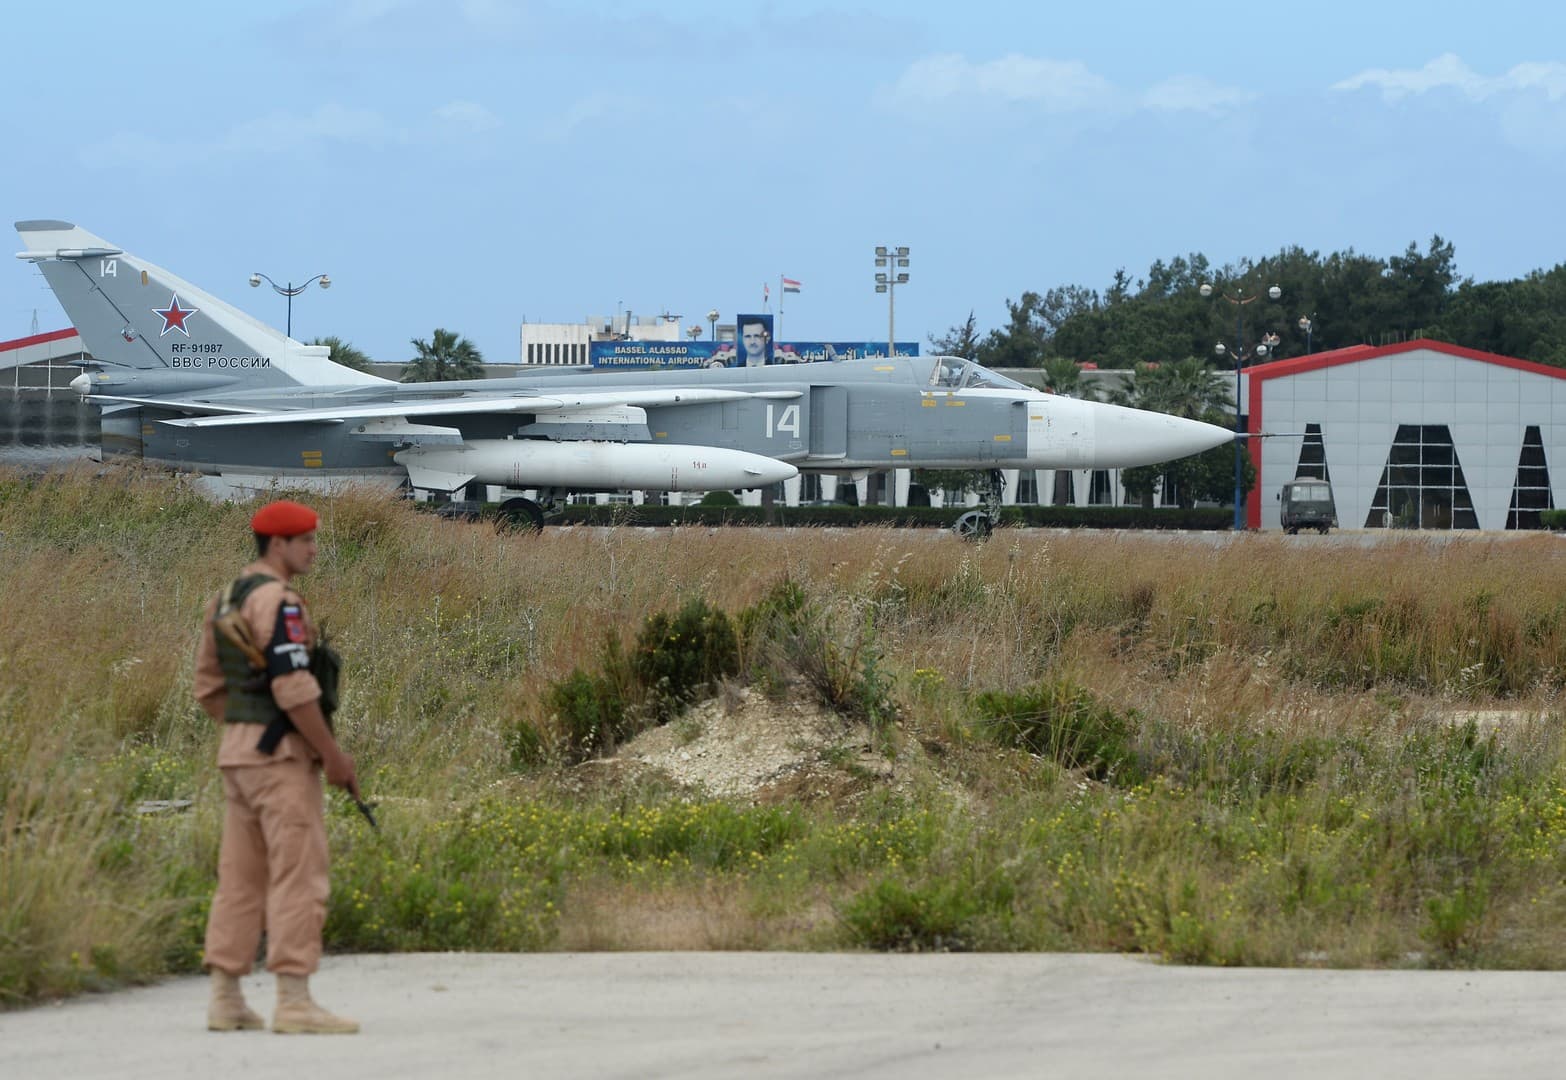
[(694, 354), (753, 347)]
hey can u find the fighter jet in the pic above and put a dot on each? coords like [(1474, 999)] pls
[(188, 381)]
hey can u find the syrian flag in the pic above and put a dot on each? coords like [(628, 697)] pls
[(790, 285)]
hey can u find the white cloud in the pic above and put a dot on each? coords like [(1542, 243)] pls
[(1056, 85), (357, 15), (493, 15), (1194, 93), (285, 132), (1448, 72), (466, 117), (604, 110), (128, 150), (260, 136)]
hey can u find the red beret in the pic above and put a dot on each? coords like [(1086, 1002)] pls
[(284, 518)]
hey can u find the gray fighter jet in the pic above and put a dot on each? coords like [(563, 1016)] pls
[(188, 381)]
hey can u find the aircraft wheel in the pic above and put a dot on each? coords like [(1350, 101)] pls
[(974, 525), (520, 515)]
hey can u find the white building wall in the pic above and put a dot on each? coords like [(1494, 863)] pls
[(1360, 405), (567, 343)]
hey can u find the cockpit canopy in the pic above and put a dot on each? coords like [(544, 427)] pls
[(956, 373)]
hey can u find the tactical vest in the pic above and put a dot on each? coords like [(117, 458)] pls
[(249, 691)]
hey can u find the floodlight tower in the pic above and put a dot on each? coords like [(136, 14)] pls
[(891, 261)]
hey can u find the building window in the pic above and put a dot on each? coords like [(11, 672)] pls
[(1422, 485), (1027, 488), (1313, 456), (1101, 491), (1531, 491), (876, 490), (1065, 489)]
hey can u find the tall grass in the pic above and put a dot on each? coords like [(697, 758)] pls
[(1253, 753)]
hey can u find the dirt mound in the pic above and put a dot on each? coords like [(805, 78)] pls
[(743, 744)]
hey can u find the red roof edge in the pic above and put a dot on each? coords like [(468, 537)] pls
[(38, 339), (1296, 365)]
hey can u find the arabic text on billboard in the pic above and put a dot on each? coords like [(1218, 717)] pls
[(641, 355)]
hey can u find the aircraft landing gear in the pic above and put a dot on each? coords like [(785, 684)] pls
[(978, 524), (520, 515), (974, 525)]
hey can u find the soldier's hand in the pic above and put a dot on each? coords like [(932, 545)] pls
[(340, 773)]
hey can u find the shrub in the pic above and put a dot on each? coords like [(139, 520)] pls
[(1062, 721), (719, 498), (928, 917), (789, 638), (527, 746), (590, 711), (679, 659)]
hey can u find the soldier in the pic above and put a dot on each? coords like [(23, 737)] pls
[(254, 671)]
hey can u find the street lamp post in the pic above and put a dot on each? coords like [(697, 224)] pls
[(712, 323), (290, 290), (1263, 347), (1306, 323), (892, 259)]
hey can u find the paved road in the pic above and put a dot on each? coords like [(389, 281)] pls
[(723, 1015)]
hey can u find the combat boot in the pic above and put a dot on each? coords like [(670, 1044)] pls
[(227, 1011), (298, 1014)]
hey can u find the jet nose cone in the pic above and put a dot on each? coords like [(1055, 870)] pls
[(82, 384), (1137, 437), (770, 471)]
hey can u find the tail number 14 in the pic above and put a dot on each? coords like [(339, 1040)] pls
[(785, 422)]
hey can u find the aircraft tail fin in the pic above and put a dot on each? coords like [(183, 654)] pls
[(132, 314)]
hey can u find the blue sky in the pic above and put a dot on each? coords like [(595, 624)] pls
[(471, 164)]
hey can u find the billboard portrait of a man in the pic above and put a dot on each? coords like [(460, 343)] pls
[(755, 340)]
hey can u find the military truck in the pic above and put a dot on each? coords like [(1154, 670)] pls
[(1307, 504)]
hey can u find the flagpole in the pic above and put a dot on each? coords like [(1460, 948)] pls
[(777, 327)]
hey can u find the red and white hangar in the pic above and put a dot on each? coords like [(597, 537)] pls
[(1421, 434)]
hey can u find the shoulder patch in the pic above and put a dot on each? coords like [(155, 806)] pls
[(293, 622)]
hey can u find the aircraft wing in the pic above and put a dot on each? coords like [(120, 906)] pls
[(481, 404), (171, 403)]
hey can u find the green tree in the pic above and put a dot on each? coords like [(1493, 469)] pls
[(1020, 344), (1188, 388), (444, 357), (954, 482), (344, 353), (1028, 337), (1063, 376), (960, 341), (1524, 318), (1191, 389)]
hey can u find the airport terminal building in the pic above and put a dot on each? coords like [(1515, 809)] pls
[(1421, 434)]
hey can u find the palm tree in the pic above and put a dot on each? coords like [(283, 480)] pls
[(445, 356), (1192, 389), (1186, 388), (1063, 376), (344, 353)]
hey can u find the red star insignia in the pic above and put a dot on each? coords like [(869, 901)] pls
[(174, 316)]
